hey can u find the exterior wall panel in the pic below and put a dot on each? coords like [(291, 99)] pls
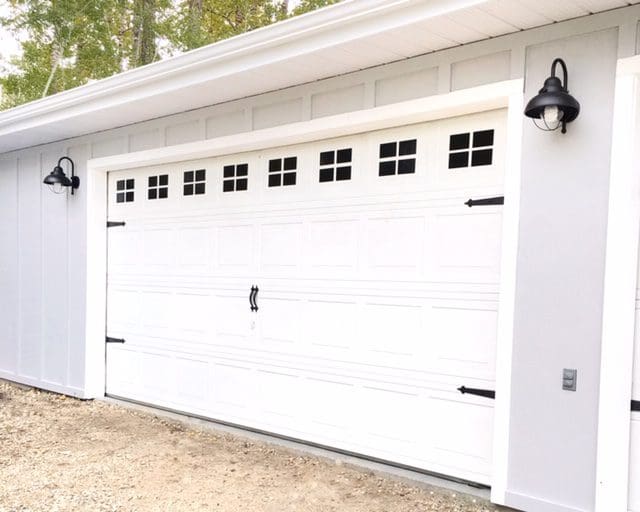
[(557, 324)]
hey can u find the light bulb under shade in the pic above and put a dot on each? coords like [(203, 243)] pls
[(57, 188)]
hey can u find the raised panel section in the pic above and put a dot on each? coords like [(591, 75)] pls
[(277, 114), (336, 102), (481, 70), (409, 86)]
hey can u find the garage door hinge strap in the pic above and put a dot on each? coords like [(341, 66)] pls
[(635, 405), (114, 340), (488, 393), (115, 224), (485, 202)]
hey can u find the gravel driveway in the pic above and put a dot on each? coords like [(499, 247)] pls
[(62, 454)]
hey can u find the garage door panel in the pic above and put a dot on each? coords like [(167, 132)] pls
[(195, 250), (281, 248), (465, 440), (192, 378), (467, 245), (466, 338), (377, 293), (332, 325), (391, 329), (395, 246), (236, 248), (332, 246), (282, 326), (124, 309)]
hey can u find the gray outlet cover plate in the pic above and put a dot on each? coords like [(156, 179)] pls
[(569, 378)]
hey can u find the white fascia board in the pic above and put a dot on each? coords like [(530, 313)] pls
[(347, 21)]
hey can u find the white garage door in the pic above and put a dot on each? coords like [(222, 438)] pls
[(377, 291)]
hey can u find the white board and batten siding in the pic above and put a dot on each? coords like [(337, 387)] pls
[(378, 295), (634, 459)]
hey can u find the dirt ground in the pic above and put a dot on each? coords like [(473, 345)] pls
[(62, 454)]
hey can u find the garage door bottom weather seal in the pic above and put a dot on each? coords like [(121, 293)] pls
[(356, 455)]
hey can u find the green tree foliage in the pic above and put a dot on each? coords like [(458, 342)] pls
[(67, 43)]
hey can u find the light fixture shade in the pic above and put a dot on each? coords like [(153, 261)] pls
[(553, 94), (553, 101), (57, 176)]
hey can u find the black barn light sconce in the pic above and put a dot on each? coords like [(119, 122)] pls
[(553, 106), (58, 180)]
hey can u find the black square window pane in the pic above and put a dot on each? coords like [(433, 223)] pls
[(153, 181), (388, 149), (188, 190), (130, 184), (201, 175), (153, 193), (289, 178), (407, 166), (188, 177), (459, 141), (275, 165), (242, 169), (242, 184), (407, 147), (327, 157), (344, 156), (274, 180), (483, 138), (163, 193), (129, 197), (326, 175), (229, 171), (387, 168), (457, 160), (290, 163), (120, 185), (200, 188), (343, 173), (227, 186), (481, 157), (164, 180), (120, 198)]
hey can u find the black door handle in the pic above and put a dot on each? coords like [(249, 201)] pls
[(253, 298), (251, 304)]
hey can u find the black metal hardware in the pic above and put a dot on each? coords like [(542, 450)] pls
[(114, 340), (255, 298), (635, 405), (488, 393), (252, 298), (115, 224), (485, 202)]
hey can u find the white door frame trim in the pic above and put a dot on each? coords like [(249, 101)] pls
[(507, 94), (618, 322)]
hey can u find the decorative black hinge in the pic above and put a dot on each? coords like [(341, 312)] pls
[(635, 405), (485, 202), (115, 224), (108, 339), (487, 393)]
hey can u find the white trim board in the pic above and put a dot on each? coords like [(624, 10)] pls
[(618, 323), (508, 94)]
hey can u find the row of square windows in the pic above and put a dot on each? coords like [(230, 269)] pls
[(474, 148)]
